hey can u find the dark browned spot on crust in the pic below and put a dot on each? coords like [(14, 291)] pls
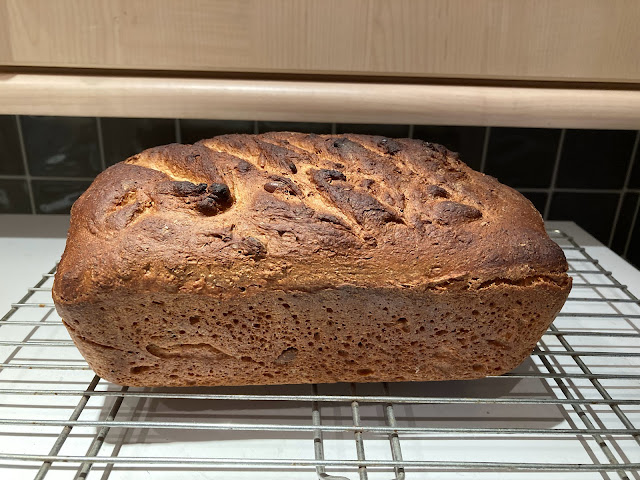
[(390, 146), (282, 184), (243, 166), (185, 189), (436, 191), (325, 217), (216, 199), (365, 209), (345, 147), (453, 213), (340, 142), (208, 200), (277, 156), (366, 183), (323, 176), (208, 206), (273, 186), (252, 247), (442, 150), (221, 192)]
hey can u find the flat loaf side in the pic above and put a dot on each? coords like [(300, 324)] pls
[(344, 334), (200, 242)]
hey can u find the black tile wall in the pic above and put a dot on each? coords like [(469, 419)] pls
[(592, 211), (61, 146), (634, 180), (595, 158), (633, 255), (522, 157), (303, 127), (10, 155), (591, 187), (56, 196), (194, 130), (467, 141), (14, 197), (123, 137), (625, 219)]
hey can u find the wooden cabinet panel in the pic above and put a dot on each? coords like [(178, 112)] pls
[(586, 40), (544, 39)]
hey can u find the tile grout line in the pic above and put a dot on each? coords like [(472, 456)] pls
[(334, 128), (625, 185), (103, 163), (485, 148), (411, 129), (255, 127), (25, 164), (634, 219), (177, 130), (554, 175)]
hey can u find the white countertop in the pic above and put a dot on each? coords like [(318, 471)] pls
[(30, 245)]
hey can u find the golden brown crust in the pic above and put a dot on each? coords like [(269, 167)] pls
[(299, 211), (294, 212)]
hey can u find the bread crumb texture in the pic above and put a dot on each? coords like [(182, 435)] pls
[(298, 258)]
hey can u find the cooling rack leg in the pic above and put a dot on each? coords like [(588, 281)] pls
[(355, 413), (394, 440), (317, 434), (317, 439), (98, 440), (67, 429)]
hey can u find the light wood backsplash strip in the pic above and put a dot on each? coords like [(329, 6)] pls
[(576, 40), (29, 94)]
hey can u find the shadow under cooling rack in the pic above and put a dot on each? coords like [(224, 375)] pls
[(570, 410)]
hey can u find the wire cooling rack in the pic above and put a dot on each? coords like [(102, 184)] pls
[(570, 410)]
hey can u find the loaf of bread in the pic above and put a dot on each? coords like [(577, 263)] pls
[(289, 258)]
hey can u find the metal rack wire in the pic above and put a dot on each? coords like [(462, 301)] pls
[(572, 409)]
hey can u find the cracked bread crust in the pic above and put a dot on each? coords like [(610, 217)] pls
[(276, 219)]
